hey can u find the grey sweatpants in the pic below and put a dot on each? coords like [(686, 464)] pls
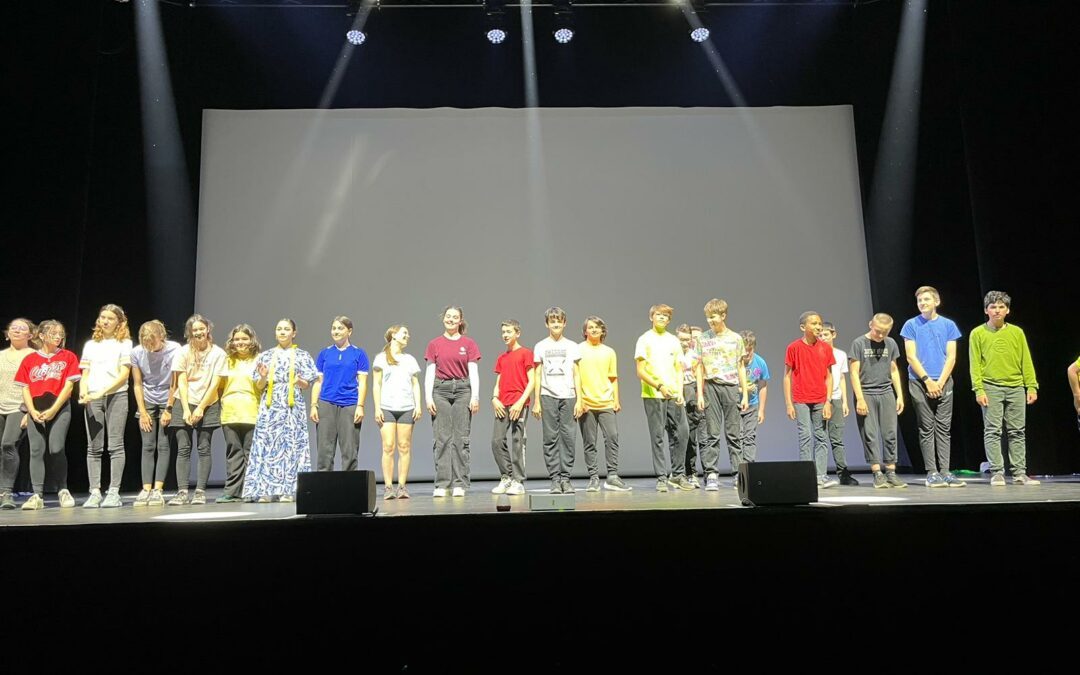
[(451, 424), (878, 428), (666, 417), (835, 427), (589, 421), (47, 442), (935, 424), (722, 415), (106, 416), (1008, 405), (507, 441), (336, 428), (695, 423), (749, 433), (11, 433), (560, 435)]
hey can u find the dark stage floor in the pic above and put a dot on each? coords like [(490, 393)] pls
[(479, 500)]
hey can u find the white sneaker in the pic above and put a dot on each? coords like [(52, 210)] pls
[(35, 503), (142, 498), (286, 499), (66, 500), (439, 492), (458, 492), (516, 488), (93, 501), (502, 487)]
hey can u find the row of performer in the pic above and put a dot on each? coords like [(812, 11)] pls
[(698, 388)]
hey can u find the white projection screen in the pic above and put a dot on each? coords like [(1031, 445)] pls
[(389, 215)]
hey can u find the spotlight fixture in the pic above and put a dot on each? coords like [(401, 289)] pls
[(564, 21), (696, 15), (356, 37), (495, 21)]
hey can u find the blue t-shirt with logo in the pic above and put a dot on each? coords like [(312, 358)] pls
[(756, 370), (931, 340), (339, 368)]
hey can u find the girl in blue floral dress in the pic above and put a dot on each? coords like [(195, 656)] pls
[(280, 447)]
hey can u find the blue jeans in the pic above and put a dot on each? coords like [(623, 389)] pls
[(810, 419)]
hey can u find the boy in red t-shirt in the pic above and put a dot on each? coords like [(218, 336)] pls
[(513, 381), (807, 388)]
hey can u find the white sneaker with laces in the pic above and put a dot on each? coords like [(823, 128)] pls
[(502, 487)]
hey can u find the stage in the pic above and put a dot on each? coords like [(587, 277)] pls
[(435, 581), (1064, 490)]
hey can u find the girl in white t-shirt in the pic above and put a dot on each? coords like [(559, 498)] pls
[(106, 366), (20, 332), (397, 407)]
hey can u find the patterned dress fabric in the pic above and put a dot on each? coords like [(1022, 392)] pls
[(280, 448)]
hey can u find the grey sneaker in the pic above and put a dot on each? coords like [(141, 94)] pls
[(935, 480), (568, 487), (112, 500), (390, 492), (694, 482), (200, 497), (157, 498), (180, 499), (617, 484), (997, 480), (1024, 479), (93, 501), (66, 500), (827, 483), (661, 484), (680, 482), (894, 480), (35, 503), (594, 484), (141, 498), (7, 502), (556, 486), (712, 483), (953, 481), (880, 480)]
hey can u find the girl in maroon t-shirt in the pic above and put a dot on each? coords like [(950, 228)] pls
[(452, 384), (48, 377)]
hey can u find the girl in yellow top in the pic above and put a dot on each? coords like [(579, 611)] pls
[(239, 408)]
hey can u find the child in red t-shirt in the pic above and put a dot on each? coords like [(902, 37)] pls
[(514, 379), (807, 388), (48, 377)]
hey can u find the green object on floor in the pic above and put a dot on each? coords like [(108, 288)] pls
[(965, 472)]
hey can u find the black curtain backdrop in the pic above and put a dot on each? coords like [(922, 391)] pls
[(994, 199)]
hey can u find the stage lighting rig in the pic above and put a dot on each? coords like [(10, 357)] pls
[(564, 21), (495, 21)]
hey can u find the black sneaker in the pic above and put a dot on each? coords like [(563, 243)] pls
[(846, 478)]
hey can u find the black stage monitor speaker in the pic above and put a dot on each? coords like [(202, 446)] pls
[(335, 493), (777, 483)]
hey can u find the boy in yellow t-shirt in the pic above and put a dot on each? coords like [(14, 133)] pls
[(657, 354), (598, 405)]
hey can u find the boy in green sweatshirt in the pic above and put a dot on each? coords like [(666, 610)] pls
[(1001, 370)]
